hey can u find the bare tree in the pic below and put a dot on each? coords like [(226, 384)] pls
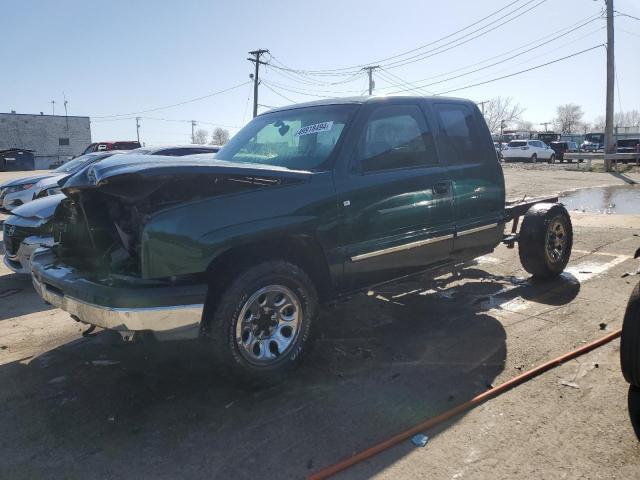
[(220, 136), (568, 117), (502, 111), (200, 136), (627, 119), (524, 125), (598, 124)]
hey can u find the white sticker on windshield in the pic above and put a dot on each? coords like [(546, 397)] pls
[(316, 128)]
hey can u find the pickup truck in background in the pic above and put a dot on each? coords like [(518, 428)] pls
[(305, 204)]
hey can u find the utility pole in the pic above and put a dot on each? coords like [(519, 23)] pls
[(53, 107), (370, 70), (482, 105), (608, 128), (545, 125), (256, 60), (138, 128), (193, 132)]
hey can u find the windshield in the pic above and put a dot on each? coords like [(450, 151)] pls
[(300, 139), (517, 143), (72, 165), (630, 142)]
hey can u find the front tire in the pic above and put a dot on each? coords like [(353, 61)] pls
[(534, 158), (630, 340), (545, 240), (261, 324)]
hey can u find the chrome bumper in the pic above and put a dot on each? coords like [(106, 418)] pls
[(21, 261), (166, 323)]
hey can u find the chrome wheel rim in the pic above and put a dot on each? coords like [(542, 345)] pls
[(268, 324), (556, 241)]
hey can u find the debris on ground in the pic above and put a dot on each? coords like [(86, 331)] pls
[(419, 440), (3, 347), (104, 363), (570, 384), (603, 326)]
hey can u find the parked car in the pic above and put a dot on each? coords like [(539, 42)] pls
[(177, 150), (528, 151), (118, 145), (587, 146), (498, 149), (560, 148), (628, 145), (51, 185), (305, 204), (29, 226), (16, 192), (28, 229)]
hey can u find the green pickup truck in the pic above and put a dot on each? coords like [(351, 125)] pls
[(305, 204)]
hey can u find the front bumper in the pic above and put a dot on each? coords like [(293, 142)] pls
[(170, 312), (20, 262)]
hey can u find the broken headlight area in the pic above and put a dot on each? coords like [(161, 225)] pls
[(100, 229)]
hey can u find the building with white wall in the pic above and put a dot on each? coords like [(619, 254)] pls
[(52, 138)]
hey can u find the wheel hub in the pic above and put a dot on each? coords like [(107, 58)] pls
[(556, 241), (268, 324)]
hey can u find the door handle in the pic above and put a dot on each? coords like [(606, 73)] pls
[(441, 188)]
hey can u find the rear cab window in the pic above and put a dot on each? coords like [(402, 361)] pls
[(459, 138), (517, 143)]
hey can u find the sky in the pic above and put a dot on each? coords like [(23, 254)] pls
[(112, 59)]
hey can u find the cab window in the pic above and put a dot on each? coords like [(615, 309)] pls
[(396, 136), (458, 138)]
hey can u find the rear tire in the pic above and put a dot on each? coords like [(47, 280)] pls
[(545, 240), (261, 324), (630, 340)]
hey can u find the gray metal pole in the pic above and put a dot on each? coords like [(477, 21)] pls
[(608, 129)]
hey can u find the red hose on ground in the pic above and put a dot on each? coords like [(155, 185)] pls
[(475, 401)]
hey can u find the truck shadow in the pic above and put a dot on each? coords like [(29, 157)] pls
[(17, 297), (383, 361)]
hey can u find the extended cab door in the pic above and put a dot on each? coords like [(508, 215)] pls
[(395, 198), (464, 143)]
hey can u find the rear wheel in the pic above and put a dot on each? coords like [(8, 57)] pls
[(261, 323), (630, 340), (545, 240)]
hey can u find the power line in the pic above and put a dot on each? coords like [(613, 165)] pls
[(162, 120), (209, 95), (508, 58), (278, 93), (401, 83), (626, 15), (523, 71), (570, 28), (393, 57), (452, 44)]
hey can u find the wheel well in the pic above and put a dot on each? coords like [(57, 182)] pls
[(302, 250)]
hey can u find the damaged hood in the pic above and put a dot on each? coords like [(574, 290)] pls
[(152, 167)]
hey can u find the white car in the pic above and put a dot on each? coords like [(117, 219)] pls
[(19, 191), (528, 151)]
